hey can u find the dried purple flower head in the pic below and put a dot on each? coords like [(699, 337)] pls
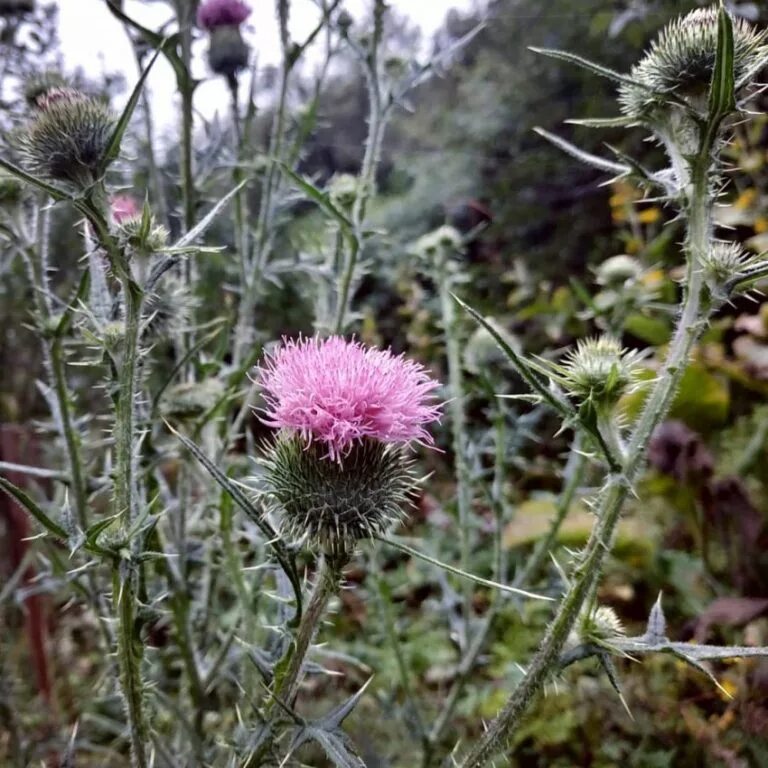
[(222, 13), (338, 468)]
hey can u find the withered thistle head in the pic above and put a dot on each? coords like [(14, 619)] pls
[(67, 138), (681, 61)]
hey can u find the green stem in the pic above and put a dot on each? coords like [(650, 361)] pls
[(617, 488), (458, 425), (129, 653)]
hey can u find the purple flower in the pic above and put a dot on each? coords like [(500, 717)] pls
[(222, 13), (338, 392), (124, 207)]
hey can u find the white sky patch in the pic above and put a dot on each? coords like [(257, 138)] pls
[(93, 39)]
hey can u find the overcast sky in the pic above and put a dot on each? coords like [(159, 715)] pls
[(93, 39)]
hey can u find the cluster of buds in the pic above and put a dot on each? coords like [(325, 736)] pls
[(136, 229), (227, 51), (338, 468), (68, 136)]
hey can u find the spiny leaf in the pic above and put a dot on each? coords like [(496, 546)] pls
[(207, 220), (336, 717), (598, 69), (116, 139), (283, 557), (722, 92), (585, 157), (319, 197), (603, 122), (43, 186), (519, 363), (33, 508)]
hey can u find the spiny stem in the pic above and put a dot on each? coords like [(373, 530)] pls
[(617, 488)]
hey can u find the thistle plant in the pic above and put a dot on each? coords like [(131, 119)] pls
[(217, 492)]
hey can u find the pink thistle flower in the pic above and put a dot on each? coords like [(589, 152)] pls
[(338, 392), (222, 13), (124, 207)]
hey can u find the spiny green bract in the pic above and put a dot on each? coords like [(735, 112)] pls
[(682, 59), (68, 137), (336, 503)]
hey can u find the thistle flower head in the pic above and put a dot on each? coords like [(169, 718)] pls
[(68, 137), (134, 234), (682, 60), (335, 504), (335, 393), (598, 370), (222, 13)]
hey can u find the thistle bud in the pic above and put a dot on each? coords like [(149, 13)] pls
[(617, 270), (724, 264), (68, 138), (599, 371), (596, 627), (344, 21), (338, 468), (681, 61), (343, 189), (439, 243)]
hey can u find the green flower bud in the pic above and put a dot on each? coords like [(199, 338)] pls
[(597, 627), (614, 272), (343, 189)]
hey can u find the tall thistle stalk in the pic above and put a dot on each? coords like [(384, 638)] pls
[(691, 131)]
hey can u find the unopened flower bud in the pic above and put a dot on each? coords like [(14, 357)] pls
[(614, 272), (723, 264), (343, 189), (596, 627), (227, 52)]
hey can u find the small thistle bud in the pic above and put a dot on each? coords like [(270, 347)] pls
[(597, 627), (343, 189), (617, 270), (439, 244), (598, 370), (338, 467), (137, 236), (113, 334), (67, 139), (682, 60), (40, 84), (344, 21), (192, 400), (168, 310), (725, 263)]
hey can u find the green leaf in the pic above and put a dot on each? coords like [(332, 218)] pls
[(585, 157), (273, 540), (319, 197), (603, 122), (598, 69), (116, 139), (55, 193), (207, 220), (33, 508), (519, 363), (722, 92)]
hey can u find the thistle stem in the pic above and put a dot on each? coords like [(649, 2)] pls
[(617, 488)]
